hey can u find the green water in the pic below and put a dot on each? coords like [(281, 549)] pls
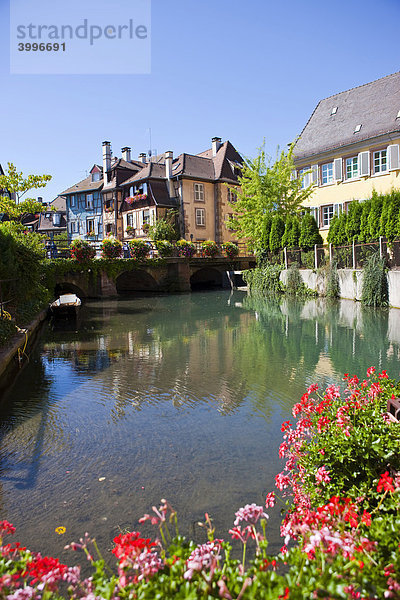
[(177, 397)]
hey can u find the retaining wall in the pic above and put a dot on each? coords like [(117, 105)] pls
[(350, 283)]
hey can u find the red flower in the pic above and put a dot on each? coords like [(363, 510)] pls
[(383, 375), (366, 518), (385, 483), (130, 544), (285, 596)]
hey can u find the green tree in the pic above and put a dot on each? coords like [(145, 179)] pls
[(392, 211), (18, 186), (333, 230), (374, 216), (364, 235), (266, 187), (276, 233), (353, 222), (341, 235), (309, 233)]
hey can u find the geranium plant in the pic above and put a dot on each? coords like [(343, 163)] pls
[(185, 248), (209, 248), (82, 250), (230, 249), (111, 247), (139, 249), (165, 248), (341, 531)]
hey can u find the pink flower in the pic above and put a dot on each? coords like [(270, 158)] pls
[(250, 514), (322, 475), (370, 371), (270, 500), (204, 557)]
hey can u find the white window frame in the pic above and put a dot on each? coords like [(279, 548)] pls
[(199, 192), (73, 200), (327, 214), (232, 196), (89, 201), (200, 215), (92, 226), (131, 220), (379, 161), (305, 174), (146, 216), (352, 167), (327, 173)]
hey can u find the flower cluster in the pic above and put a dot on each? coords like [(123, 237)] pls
[(82, 250)]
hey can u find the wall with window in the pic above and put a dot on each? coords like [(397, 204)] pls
[(199, 209), (84, 215), (350, 175)]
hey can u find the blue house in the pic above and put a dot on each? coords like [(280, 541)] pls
[(84, 207)]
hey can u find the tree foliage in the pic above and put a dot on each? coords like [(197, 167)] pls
[(266, 188), (309, 233), (18, 185)]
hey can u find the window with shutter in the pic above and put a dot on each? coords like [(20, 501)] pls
[(394, 159), (364, 161), (314, 174), (338, 169)]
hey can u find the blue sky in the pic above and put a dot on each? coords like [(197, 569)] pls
[(243, 71)]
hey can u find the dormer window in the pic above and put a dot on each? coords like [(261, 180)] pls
[(96, 176), (357, 128)]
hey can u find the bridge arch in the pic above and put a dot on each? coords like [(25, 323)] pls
[(206, 278), (67, 287), (137, 280)]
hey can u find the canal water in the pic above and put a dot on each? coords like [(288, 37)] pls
[(177, 397)]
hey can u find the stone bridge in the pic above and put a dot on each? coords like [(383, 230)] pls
[(174, 275)]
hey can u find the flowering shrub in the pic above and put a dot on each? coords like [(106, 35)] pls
[(187, 249), (165, 248), (82, 250), (139, 249), (111, 247), (209, 248), (231, 249), (341, 530)]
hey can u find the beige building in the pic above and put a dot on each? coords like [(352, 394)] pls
[(350, 147), (196, 186)]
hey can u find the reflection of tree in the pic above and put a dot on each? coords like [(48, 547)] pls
[(29, 428)]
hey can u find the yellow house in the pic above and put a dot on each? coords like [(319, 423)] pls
[(350, 147)]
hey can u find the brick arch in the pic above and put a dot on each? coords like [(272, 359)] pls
[(137, 280)]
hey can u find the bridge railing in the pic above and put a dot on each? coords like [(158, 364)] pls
[(63, 251)]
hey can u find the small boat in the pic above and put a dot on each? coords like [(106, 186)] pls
[(67, 305)]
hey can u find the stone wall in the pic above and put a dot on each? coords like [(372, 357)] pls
[(350, 283)]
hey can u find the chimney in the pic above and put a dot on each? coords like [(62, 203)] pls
[(106, 160), (142, 157), (216, 145), (40, 199), (126, 154), (168, 171)]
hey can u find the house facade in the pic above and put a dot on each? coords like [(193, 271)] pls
[(350, 147), (123, 197)]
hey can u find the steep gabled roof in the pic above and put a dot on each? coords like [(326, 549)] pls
[(59, 203), (86, 185), (374, 106)]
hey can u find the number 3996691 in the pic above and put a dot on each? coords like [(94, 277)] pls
[(42, 47)]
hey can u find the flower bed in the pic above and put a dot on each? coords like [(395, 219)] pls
[(341, 531), (186, 249), (139, 249), (111, 247), (82, 250)]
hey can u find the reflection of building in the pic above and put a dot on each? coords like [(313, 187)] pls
[(350, 146)]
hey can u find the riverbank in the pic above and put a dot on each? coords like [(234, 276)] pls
[(15, 353), (350, 283)]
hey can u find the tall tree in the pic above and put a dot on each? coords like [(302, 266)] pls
[(266, 188), (18, 185)]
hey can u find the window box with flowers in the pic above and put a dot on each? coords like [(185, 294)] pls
[(209, 249), (130, 231)]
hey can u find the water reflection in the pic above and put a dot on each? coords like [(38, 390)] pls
[(177, 396)]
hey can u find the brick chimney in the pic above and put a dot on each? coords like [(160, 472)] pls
[(168, 171), (126, 154), (216, 145), (106, 160)]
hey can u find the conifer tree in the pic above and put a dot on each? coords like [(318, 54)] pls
[(309, 233), (276, 233)]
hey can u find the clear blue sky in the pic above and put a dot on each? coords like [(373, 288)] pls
[(243, 71)]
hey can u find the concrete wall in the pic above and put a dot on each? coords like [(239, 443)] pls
[(350, 281)]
